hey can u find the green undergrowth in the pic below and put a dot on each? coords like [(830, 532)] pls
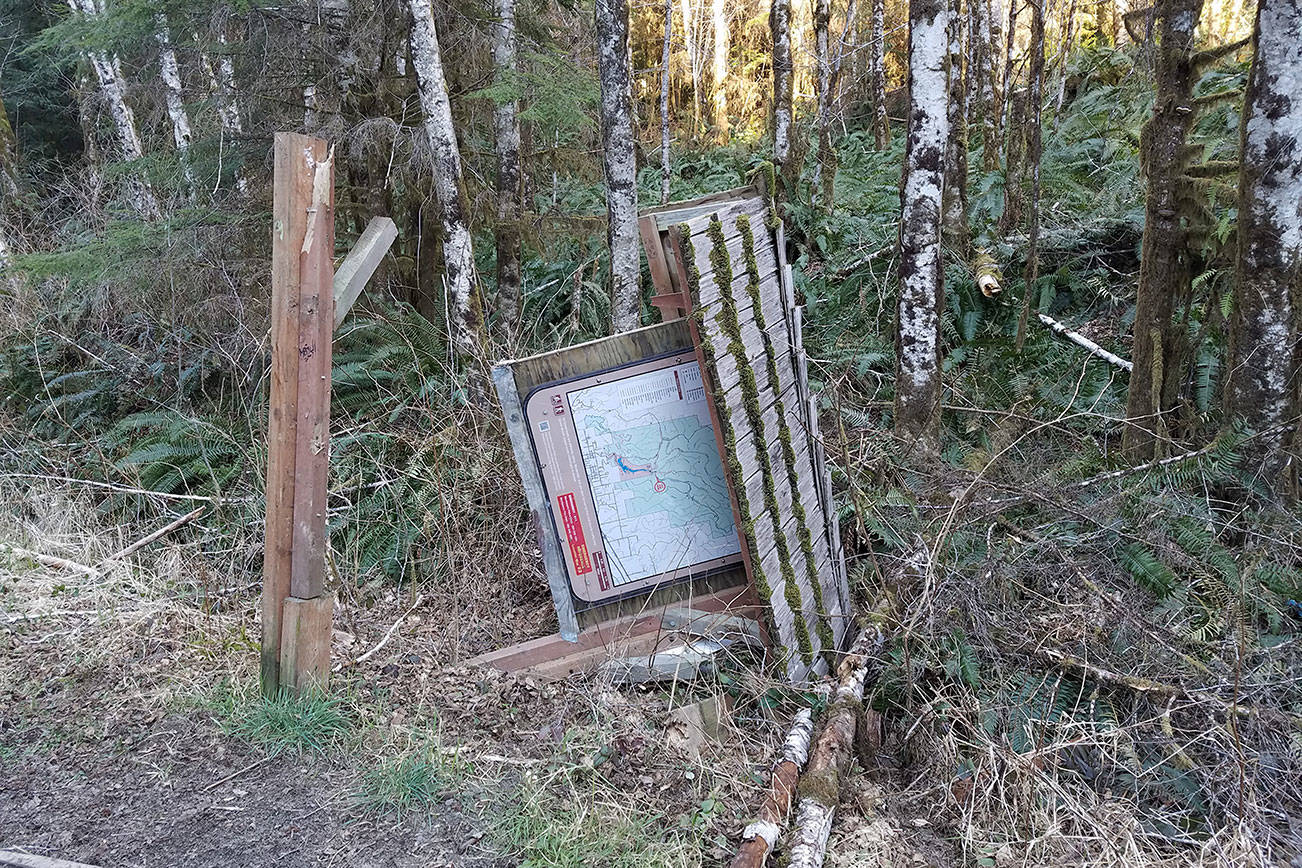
[(316, 723)]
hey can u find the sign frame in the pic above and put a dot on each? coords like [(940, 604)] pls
[(562, 525)]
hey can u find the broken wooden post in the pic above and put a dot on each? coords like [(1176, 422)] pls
[(296, 613), (361, 263)]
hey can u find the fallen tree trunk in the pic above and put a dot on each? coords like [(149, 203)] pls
[(761, 836), (820, 789), (1085, 343)]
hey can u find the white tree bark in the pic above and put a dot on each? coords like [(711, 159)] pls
[(614, 65), (222, 84), (719, 70), (170, 72), (877, 76), (464, 312), (113, 87), (506, 123), (826, 165), (664, 102), (780, 27), (917, 345), (1261, 383), (691, 43)]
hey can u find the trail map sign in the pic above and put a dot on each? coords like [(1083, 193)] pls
[(681, 466), (631, 468)]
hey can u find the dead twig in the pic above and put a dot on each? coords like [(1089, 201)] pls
[(48, 560), (233, 775), (158, 534), (389, 633)]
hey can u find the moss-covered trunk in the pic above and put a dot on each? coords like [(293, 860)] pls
[(1164, 272)]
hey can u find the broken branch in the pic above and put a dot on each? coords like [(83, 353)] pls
[(1085, 343), (761, 836)]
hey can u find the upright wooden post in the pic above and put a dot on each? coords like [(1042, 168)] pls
[(296, 614)]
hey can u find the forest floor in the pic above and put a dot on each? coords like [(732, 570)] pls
[(131, 735)]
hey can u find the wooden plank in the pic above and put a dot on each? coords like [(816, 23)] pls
[(712, 387), (600, 354), (698, 219), (655, 255), (305, 643), (315, 339), (702, 247), (710, 298), (505, 380), (555, 657), (360, 263), (291, 198), (729, 379), (671, 215)]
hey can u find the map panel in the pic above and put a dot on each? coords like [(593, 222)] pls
[(632, 470)]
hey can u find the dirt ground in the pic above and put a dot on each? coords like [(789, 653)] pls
[(125, 737)]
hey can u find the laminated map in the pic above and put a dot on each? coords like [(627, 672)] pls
[(630, 463)]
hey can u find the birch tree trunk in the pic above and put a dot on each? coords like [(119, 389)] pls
[(222, 83), (825, 168), (988, 40), (1034, 148), (506, 123), (614, 66), (693, 61), (113, 87), (1006, 79), (917, 340), (719, 71), (464, 310), (170, 72), (1261, 385), (1066, 59), (998, 87), (780, 27), (1164, 257), (954, 217), (877, 76), (664, 102)]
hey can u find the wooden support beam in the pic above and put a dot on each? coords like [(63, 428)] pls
[(305, 642), (302, 325), (360, 264)]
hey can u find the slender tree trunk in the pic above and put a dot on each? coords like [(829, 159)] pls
[(464, 309), (719, 71), (825, 168), (954, 217), (506, 123), (614, 65), (985, 71), (1164, 259), (691, 43), (1014, 160), (113, 87), (1261, 386), (1035, 148), (780, 27), (664, 102), (917, 338), (877, 76), (1009, 48), (991, 129), (171, 75), (8, 183), (1066, 59), (222, 83)]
